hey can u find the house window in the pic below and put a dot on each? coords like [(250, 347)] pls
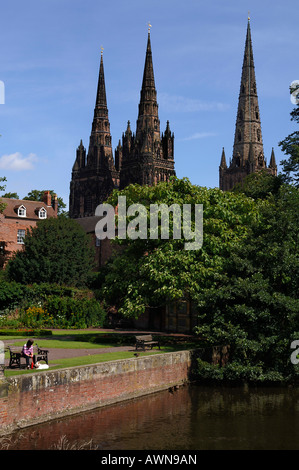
[(22, 211), (42, 213), (21, 236)]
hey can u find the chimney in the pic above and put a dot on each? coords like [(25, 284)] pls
[(55, 203), (47, 198)]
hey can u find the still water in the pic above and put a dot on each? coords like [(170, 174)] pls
[(190, 418)]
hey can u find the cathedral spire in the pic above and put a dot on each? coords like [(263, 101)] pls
[(146, 157), (248, 151), (223, 159), (101, 100), (100, 145), (248, 125), (148, 106)]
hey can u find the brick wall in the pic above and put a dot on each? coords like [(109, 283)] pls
[(41, 396), (9, 231)]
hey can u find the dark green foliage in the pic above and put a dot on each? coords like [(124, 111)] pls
[(290, 146), (80, 313), (244, 280), (259, 185), (255, 303), (2, 188), (11, 195), (49, 306), (55, 251), (11, 294), (161, 270)]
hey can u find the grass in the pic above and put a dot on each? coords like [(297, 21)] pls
[(87, 339)]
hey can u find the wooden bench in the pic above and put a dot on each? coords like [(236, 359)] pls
[(15, 355), (145, 340)]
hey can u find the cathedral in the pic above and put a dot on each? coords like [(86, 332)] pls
[(248, 153), (145, 157)]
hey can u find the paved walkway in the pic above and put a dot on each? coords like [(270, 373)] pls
[(55, 353)]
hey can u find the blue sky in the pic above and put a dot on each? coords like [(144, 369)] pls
[(50, 55)]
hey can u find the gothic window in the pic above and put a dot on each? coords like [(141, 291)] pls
[(243, 89), (258, 133), (256, 113), (241, 114), (87, 204), (239, 136)]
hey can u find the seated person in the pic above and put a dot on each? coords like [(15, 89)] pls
[(27, 352)]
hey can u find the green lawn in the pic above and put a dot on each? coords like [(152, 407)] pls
[(87, 339), (83, 360)]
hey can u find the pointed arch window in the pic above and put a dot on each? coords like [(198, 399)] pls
[(258, 132)]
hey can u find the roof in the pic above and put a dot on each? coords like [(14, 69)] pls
[(32, 208), (88, 223)]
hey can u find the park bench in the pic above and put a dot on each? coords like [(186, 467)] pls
[(145, 340), (15, 353)]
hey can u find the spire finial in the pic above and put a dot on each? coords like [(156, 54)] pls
[(248, 15), (149, 27), (102, 50)]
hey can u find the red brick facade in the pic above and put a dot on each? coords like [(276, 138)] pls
[(32, 399), (20, 215)]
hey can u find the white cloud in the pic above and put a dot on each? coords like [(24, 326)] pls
[(17, 162), (199, 135), (175, 103)]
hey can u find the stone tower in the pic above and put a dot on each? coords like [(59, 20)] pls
[(147, 157), (94, 176), (144, 158), (248, 153)]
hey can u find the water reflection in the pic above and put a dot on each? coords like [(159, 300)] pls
[(191, 418)]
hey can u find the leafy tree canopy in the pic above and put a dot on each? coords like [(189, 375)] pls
[(2, 188), (157, 271), (259, 185), (290, 146), (11, 195), (55, 251)]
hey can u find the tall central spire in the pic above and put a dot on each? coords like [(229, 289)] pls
[(148, 107), (147, 156), (248, 125), (248, 151)]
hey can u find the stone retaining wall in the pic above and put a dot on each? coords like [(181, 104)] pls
[(41, 396)]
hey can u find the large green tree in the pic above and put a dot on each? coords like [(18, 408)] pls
[(160, 270), (55, 251), (254, 305), (290, 146), (2, 188), (244, 279)]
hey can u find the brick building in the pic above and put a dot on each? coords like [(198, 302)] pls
[(248, 153), (20, 215)]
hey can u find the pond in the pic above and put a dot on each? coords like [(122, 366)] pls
[(193, 417)]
